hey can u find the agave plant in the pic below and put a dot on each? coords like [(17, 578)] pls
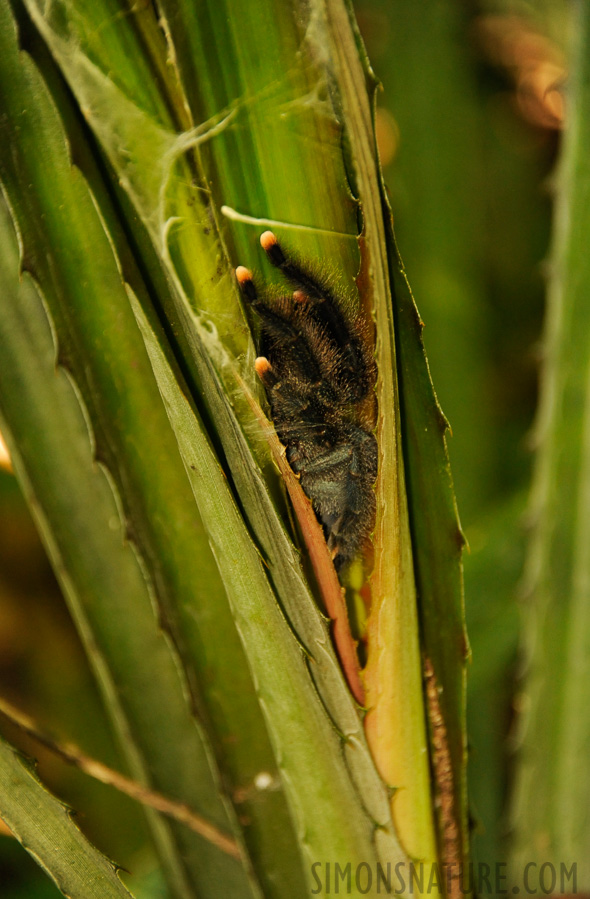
[(145, 150), (290, 726)]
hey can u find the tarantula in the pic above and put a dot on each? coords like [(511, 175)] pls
[(317, 372)]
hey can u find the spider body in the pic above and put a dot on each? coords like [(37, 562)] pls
[(316, 373)]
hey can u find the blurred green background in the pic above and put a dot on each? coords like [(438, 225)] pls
[(468, 127)]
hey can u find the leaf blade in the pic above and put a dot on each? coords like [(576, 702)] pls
[(44, 826)]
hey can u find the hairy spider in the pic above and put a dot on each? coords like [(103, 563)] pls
[(316, 372)]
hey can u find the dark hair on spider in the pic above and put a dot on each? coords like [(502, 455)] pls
[(317, 372)]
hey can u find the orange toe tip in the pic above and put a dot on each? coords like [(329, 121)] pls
[(261, 366), (268, 240)]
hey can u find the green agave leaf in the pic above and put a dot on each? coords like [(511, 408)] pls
[(269, 87), (45, 827), (281, 196), (437, 543), (227, 703), (92, 94), (106, 591), (395, 725), (552, 786), (355, 751), (75, 509)]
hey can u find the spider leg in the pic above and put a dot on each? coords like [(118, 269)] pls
[(265, 372), (308, 285), (297, 351), (325, 310), (289, 405), (277, 324)]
